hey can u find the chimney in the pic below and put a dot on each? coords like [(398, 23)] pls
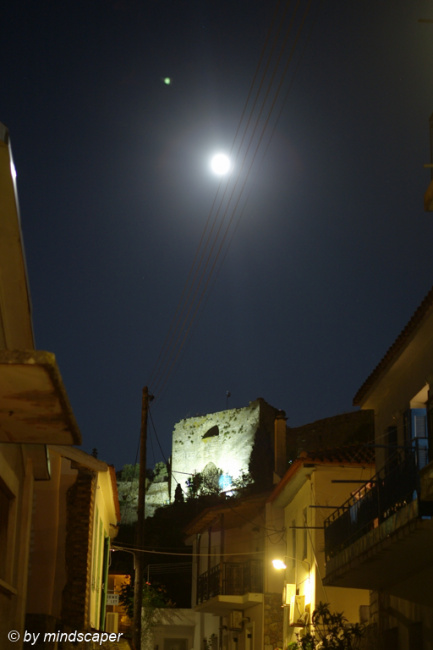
[(280, 446)]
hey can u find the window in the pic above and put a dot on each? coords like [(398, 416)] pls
[(391, 437), (7, 532), (305, 534), (390, 638), (4, 527), (416, 422), (294, 543), (210, 433), (415, 636), (249, 638)]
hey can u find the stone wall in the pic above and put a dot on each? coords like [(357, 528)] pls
[(80, 507), (222, 440), (128, 500), (272, 622), (332, 432), (156, 496)]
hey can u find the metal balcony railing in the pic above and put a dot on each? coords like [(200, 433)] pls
[(379, 498), (230, 579)]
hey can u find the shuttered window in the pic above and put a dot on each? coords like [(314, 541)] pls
[(417, 420)]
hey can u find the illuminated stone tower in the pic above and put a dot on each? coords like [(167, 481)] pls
[(222, 440)]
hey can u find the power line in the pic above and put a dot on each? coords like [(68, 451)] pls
[(193, 270), (208, 253), (157, 437), (135, 549)]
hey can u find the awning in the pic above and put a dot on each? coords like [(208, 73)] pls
[(34, 407)]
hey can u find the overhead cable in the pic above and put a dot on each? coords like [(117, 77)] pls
[(216, 230)]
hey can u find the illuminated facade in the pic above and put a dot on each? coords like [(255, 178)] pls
[(254, 606), (298, 506), (383, 541), (228, 583), (222, 441), (76, 515), (34, 409)]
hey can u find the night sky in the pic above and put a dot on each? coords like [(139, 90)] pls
[(317, 261)]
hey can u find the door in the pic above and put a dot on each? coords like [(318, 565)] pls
[(176, 644)]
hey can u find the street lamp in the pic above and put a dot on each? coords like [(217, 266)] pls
[(279, 564), (297, 597)]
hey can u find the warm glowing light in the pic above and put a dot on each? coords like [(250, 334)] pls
[(220, 164), (279, 564), (307, 591)]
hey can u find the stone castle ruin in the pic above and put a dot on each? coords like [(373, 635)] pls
[(218, 445), (222, 441)]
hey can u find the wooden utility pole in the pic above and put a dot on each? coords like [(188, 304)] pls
[(139, 556)]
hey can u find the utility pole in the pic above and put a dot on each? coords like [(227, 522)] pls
[(139, 557)]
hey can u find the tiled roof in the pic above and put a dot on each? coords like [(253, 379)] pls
[(425, 307), (345, 429), (362, 454), (236, 512)]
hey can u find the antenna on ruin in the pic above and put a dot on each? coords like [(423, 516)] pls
[(228, 394)]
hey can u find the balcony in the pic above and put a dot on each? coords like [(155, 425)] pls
[(381, 537), (230, 585)]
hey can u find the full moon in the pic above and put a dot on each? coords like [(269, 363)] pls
[(220, 164)]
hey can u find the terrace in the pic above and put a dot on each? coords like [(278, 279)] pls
[(237, 584), (380, 537)]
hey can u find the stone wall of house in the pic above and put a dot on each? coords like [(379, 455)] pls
[(80, 511), (332, 432), (272, 622), (222, 440)]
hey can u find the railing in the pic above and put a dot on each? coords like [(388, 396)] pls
[(387, 492), (230, 579)]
